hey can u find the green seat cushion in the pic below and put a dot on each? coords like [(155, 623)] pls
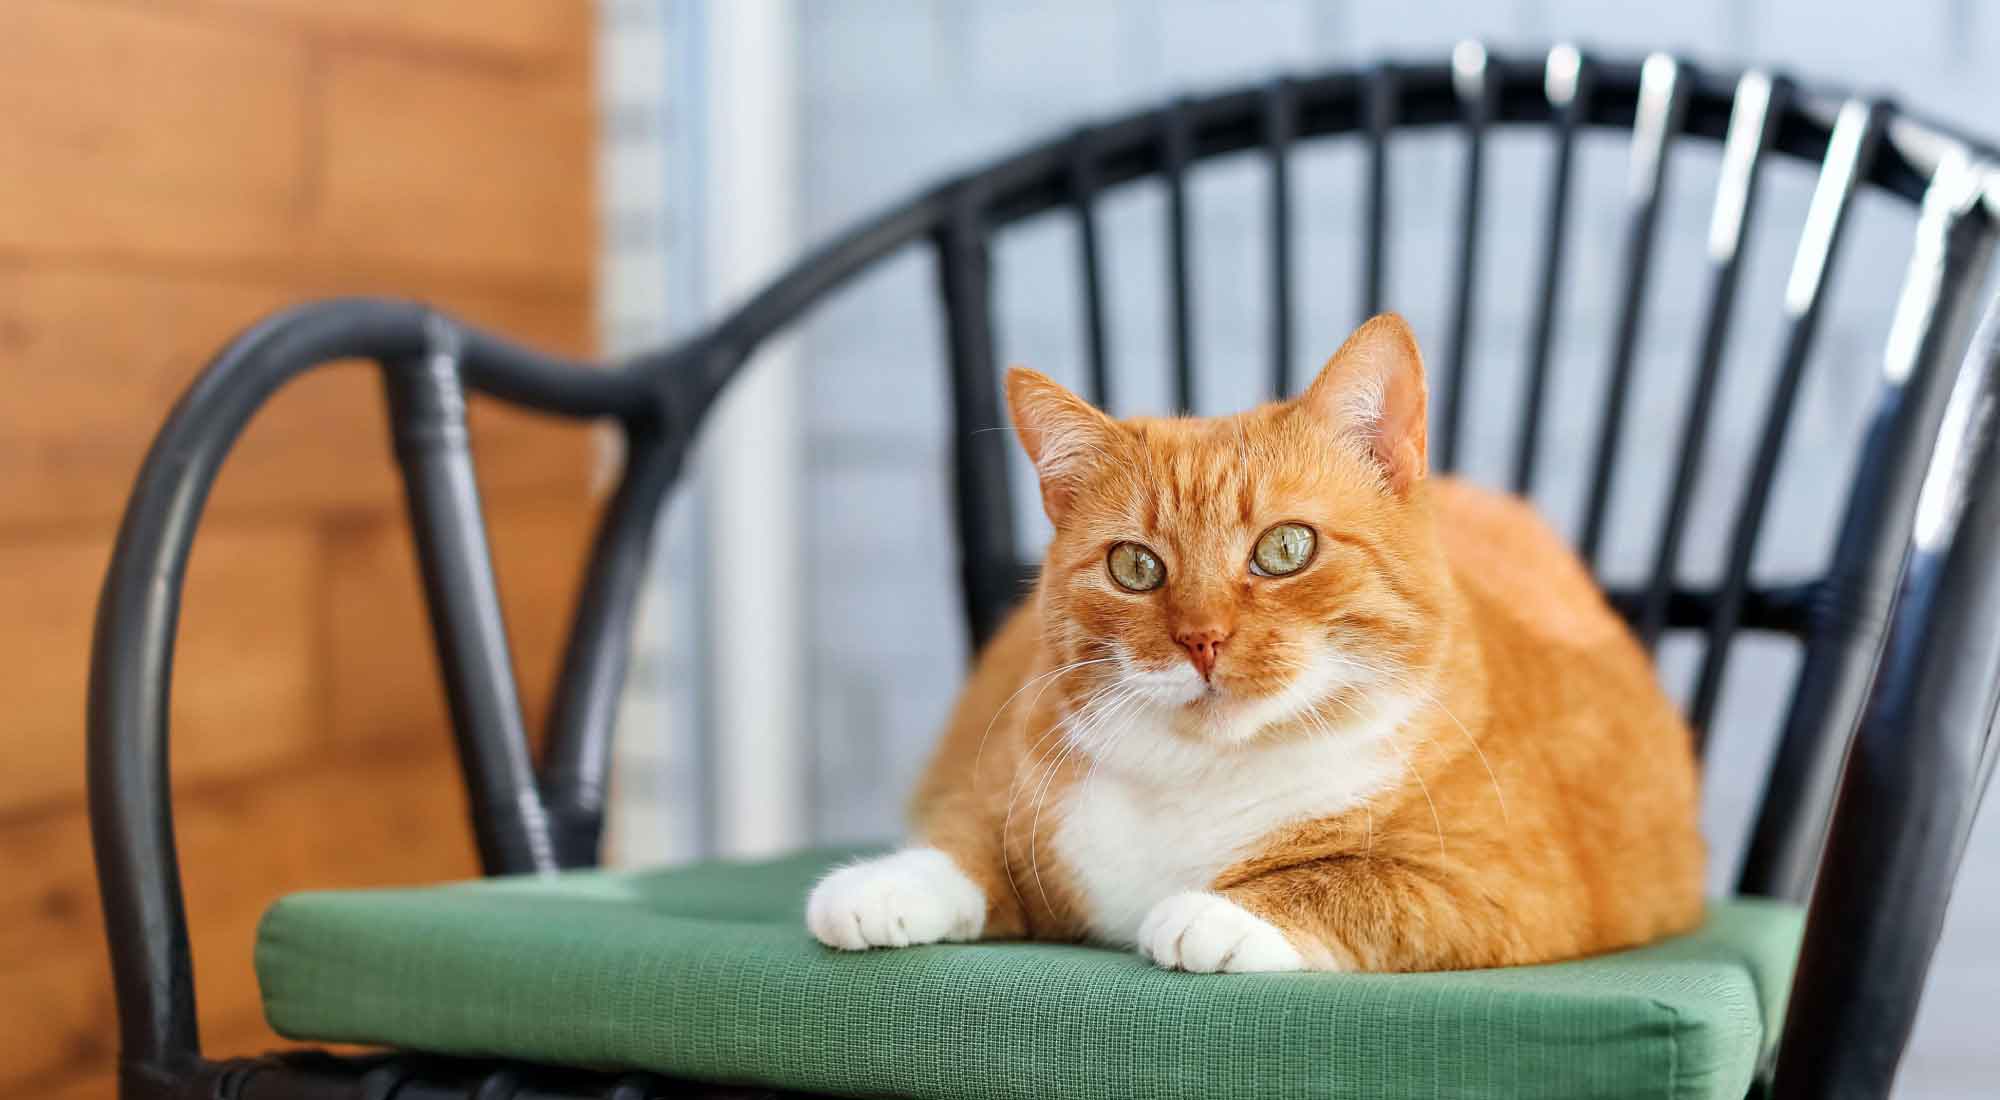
[(707, 972)]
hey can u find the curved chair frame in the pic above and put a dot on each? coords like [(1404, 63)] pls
[(1902, 637)]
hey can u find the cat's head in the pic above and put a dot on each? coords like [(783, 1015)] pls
[(1232, 579)]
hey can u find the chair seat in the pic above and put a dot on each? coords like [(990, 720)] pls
[(707, 972)]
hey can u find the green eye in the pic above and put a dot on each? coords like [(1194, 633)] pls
[(1135, 568), (1283, 549)]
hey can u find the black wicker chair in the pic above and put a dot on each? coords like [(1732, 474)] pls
[(1900, 636)]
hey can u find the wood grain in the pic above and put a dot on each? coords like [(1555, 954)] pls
[(432, 169), (382, 671), (506, 30), (131, 132), (244, 695), (386, 818), (176, 169), (95, 357), (155, 138)]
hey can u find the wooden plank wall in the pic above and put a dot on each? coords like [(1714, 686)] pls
[(169, 170)]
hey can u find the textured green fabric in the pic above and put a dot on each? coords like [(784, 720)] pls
[(708, 972)]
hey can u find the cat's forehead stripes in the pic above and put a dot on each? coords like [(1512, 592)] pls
[(1246, 495), (1196, 475)]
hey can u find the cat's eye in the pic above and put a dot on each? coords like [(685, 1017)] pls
[(1135, 568), (1283, 550)]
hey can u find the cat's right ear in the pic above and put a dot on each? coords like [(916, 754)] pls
[(1064, 435), (1373, 391)]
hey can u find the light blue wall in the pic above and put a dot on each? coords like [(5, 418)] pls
[(898, 92)]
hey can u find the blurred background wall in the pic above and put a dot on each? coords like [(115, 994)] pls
[(169, 171)]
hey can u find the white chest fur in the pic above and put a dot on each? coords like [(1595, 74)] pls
[(1132, 838)]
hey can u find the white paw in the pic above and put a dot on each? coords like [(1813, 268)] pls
[(1208, 934), (915, 896)]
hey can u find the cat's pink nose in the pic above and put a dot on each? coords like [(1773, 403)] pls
[(1203, 646)]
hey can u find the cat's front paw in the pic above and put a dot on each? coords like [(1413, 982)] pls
[(914, 896), (1209, 934)]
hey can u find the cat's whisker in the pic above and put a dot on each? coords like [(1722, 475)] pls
[(1083, 730), (1023, 775), (1367, 806), (1035, 827), (1103, 698), (1086, 712), (1436, 822), (1499, 795), (1027, 775), (1402, 681), (1097, 761), (1047, 679), (1035, 824), (1057, 728), (1074, 744), (1006, 826)]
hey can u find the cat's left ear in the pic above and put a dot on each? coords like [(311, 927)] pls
[(1373, 390)]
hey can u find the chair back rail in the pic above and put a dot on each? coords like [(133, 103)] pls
[(1473, 83), (1920, 756), (1657, 120), (432, 444), (1916, 768), (1758, 106), (1843, 635), (1567, 84)]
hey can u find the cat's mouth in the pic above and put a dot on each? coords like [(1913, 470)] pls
[(1210, 694), (1223, 698), (1217, 703)]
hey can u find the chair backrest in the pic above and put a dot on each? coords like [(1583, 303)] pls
[(529, 818), (1857, 146)]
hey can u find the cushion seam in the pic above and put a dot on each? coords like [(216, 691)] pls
[(1673, 1047)]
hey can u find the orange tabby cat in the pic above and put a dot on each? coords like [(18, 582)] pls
[(1280, 702)]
